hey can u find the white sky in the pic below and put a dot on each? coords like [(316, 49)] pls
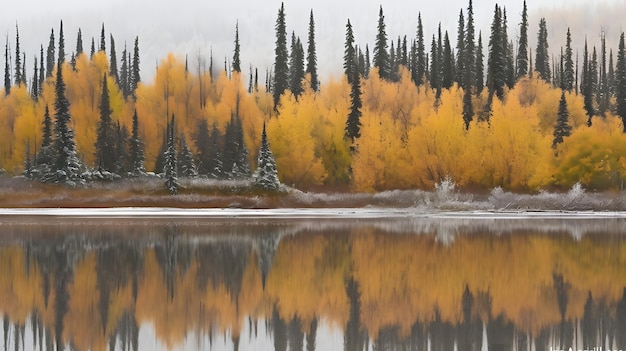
[(192, 27)]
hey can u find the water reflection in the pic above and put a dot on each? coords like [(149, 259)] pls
[(398, 284)]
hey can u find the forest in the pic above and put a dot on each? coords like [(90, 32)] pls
[(487, 111)]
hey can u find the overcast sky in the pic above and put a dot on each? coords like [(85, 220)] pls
[(193, 27)]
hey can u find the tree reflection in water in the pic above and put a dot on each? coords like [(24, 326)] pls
[(386, 285)]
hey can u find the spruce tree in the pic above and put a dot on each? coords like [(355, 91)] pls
[(349, 56), (186, 164), (602, 94), (203, 145), (381, 56), (122, 162), (61, 58), (18, 59), (113, 62), (296, 66), (266, 175), (460, 51), (522, 48), (44, 161), (480, 67), (103, 45), (448, 64), (236, 59), (7, 71), (563, 128), (170, 167), (93, 48), (67, 167), (135, 76), (367, 60), (311, 58), (34, 88), (435, 76), (496, 75), (542, 58), (50, 55), (281, 66), (137, 156), (28, 164), (353, 124), (567, 78), (124, 75), (79, 43), (620, 81), (215, 167), (42, 73), (586, 85), (470, 50), (105, 141)]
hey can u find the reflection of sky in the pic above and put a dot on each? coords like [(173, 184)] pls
[(192, 27)]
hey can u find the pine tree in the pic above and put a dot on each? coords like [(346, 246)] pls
[(34, 89), (113, 63), (620, 81), (236, 60), (186, 164), (563, 128), (203, 145), (586, 85), (281, 66), (349, 56), (509, 69), (135, 77), (50, 55), (522, 49), (122, 163), (567, 79), (105, 142), (353, 124), (405, 54), (215, 166), (79, 43), (542, 58), (381, 56), (124, 75), (602, 94), (137, 157), (311, 58), (42, 73), (266, 175), (7, 71), (435, 76), (67, 167), (170, 168), (367, 60), (93, 48), (103, 45), (470, 50), (28, 164), (44, 161), (18, 59)]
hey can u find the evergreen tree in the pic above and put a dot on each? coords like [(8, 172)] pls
[(170, 167), (122, 162), (28, 164), (349, 56), (34, 89), (67, 167), (93, 48), (103, 45), (42, 73), (448, 64), (496, 75), (360, 62), (296, 66), (509, 69), (611, 75), (567, 78), (18, 59), (470, 50), (460, 51), (135, 77), (61, 59), (381, 56), (7, 71), (353, 124), (480, 69), (236, 60), (235, 155), (367, 60), (542, 58), (435, 70), (522, 49), (124, 75), (44, 160), (266, 175), (79, 43), (563, 128), (215, 166), (311, 58), (405, 55), (602, 94), (586, 85), (113, 63), (105, 141), (137, 156), (620, 81), (50, 55), (203, 145), (186, 164), (281, 65)]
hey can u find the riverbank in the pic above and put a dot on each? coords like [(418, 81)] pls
[(204, 193)]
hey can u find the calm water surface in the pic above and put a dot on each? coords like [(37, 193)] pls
[(313, 284)]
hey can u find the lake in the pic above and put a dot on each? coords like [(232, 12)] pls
[(316, 280)]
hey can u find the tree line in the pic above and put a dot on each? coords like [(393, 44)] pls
[(406, 117)]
